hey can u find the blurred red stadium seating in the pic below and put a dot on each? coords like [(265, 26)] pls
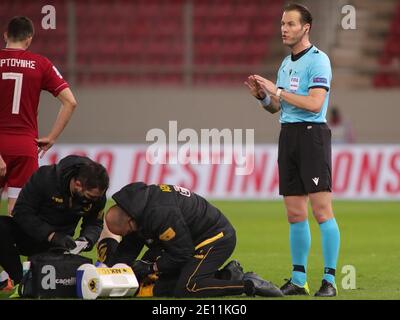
[(232, 33), (150, 33), (390, 58)]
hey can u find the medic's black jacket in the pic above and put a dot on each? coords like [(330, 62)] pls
[(171, 217), (43, 204)]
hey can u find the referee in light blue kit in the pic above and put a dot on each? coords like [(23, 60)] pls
[(304, 157)]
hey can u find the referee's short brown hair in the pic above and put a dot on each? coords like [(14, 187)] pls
[(305, 14)]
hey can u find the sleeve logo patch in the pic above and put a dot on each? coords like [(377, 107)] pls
[(320, 80), (57, 199), (165, 188), (167, 234)]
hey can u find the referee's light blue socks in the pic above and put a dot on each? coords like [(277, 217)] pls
[(330, 236), (300, 243)]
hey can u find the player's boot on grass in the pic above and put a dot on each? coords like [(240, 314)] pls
[(6, 285), (255, 285), (234, 270), (291, 289), (327, 290)]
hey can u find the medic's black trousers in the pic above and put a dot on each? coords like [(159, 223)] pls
[(14, 242), (200, 276)]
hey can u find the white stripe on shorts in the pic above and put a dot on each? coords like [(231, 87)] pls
[(13, 192)]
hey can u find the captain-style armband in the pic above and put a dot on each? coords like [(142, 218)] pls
[(266, 101)]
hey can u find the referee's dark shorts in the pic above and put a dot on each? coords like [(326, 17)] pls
[(304, 158)]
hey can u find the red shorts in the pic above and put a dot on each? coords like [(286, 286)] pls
[(19, 170), (18, 145)]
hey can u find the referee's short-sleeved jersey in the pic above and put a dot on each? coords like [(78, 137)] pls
[(311, 70)]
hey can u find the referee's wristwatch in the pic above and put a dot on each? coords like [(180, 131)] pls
[(278, 93)]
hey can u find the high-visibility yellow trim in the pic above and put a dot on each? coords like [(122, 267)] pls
[(167, 234), (102, 252), (210, 240), (194, 289), (145, 290), (100, 215), (165, 188), (105, 271)]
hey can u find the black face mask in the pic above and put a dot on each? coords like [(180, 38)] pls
[(78, 198), (80, 203)]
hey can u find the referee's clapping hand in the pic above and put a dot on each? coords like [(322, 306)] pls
[(255, 88), (266, 84)]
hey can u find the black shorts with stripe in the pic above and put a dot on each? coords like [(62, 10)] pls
[(304, 158)]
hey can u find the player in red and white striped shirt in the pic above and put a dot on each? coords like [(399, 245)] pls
[(23, 75)]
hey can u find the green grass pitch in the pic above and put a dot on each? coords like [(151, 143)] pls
[(369, 243)]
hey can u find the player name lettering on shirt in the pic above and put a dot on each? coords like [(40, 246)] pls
[(19, 63)]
